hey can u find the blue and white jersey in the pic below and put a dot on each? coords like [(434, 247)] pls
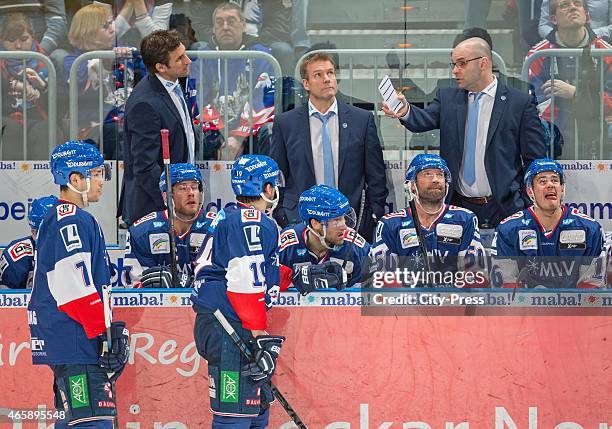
[(148, 243), (452, 241), (293, 251), (570, 255), (17, 264), (66, 313), (237, 267)]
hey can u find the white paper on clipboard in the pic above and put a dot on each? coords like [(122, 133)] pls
[(389, 94)]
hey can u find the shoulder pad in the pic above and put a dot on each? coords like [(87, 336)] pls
[(399, 213), (20, 249), (350, 233), (516, 215), (288, 238), (250, 215), (145, 218), (65, 210)]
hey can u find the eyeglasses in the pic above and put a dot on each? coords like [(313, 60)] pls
[(462, 63), (564, 5), (431, 175), (186, 187), (231, 21)]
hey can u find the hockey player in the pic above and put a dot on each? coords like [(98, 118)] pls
[(66, 312), (547, 244), (237, 272), (451, 234), (325, 239), (148, 243), (17, 260)]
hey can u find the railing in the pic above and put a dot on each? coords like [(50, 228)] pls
[(51, 98)]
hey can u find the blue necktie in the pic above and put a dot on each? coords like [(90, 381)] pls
[(469, 151), (329, 177), (188, 131), (179, 92)]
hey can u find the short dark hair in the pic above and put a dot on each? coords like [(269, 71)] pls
[(228, 6), (317, 56), (156, 47), (468, 33)]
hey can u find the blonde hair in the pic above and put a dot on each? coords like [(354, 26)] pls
[(85, 25)]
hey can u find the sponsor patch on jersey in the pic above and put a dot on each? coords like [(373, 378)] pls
[(516, 215), (528, 239), (288, 238), (211, 215), (578, 213), (572, 239), (65, 210), (379, 228), (449, 233), (145, 218), (251, 234), (21, 249), (408, 238), (3, 264), (159, 243), (250, 215), (158, 224), (195, 241), (351, 234), (400, 213), (70, 235)]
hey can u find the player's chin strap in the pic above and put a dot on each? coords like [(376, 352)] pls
[(322, 237), (410, 194), (273, 201), (533, 200), (83, 193)]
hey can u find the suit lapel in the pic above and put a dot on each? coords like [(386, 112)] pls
[(167, 100), (344, 118), (499, 106), (304, 133), (462, 107)]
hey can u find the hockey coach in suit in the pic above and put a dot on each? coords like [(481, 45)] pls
[(329, 142)]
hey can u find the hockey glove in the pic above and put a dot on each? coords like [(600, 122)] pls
[(309, 277), (161, 277), (266, 349), (115, 359)]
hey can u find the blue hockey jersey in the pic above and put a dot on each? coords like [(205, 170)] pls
[(570, 255), (17, 264), (148, 243), (452, 241), (65, 312), (293, 251), (237, 267)]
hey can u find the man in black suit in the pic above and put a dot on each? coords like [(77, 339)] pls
[(156, 103), (489, 134), (328, 142)]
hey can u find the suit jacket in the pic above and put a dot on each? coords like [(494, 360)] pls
[(514, 139), (148, 110), (360, 163)]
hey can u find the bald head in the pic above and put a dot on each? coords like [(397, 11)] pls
[(476, 46), (472, 64)]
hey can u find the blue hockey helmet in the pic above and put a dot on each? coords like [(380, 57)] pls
[(423, 161), (322, 202), (39, 209), (250, 174), (542, 165), (76, 156), (181, 173)]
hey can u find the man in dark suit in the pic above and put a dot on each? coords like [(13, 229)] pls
[(489, 134), (328, 142), (156, 103)]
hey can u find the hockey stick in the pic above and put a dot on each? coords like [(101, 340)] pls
[(417, 226), (169, 203), (246, 352), (347, 252), (108, 344)]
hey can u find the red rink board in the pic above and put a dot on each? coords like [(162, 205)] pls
[(339, 366)]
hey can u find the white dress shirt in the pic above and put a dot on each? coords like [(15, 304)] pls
[(481, 187), (184, 116), (317, 144)]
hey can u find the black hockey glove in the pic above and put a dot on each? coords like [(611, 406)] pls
[(266, 349), (309, 277), (115, 358), (161, 277)]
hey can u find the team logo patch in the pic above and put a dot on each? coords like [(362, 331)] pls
[(449, 233), (229, 386), (145, 218), (20, 249), (288, 238), (572, 239), (70, 235), (65, 210), (195, 241), (379, 228), (528, 239), (211, 215), (350, 235), (79, 393), (250, 215), (159, 243), (408, 238)]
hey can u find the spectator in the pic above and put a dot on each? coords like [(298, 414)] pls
[(24, 92), (228, 35), (599, 13), (92, 29), (145, 20), (573, 82), (486, 140), (529, 19), (182, 24)]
